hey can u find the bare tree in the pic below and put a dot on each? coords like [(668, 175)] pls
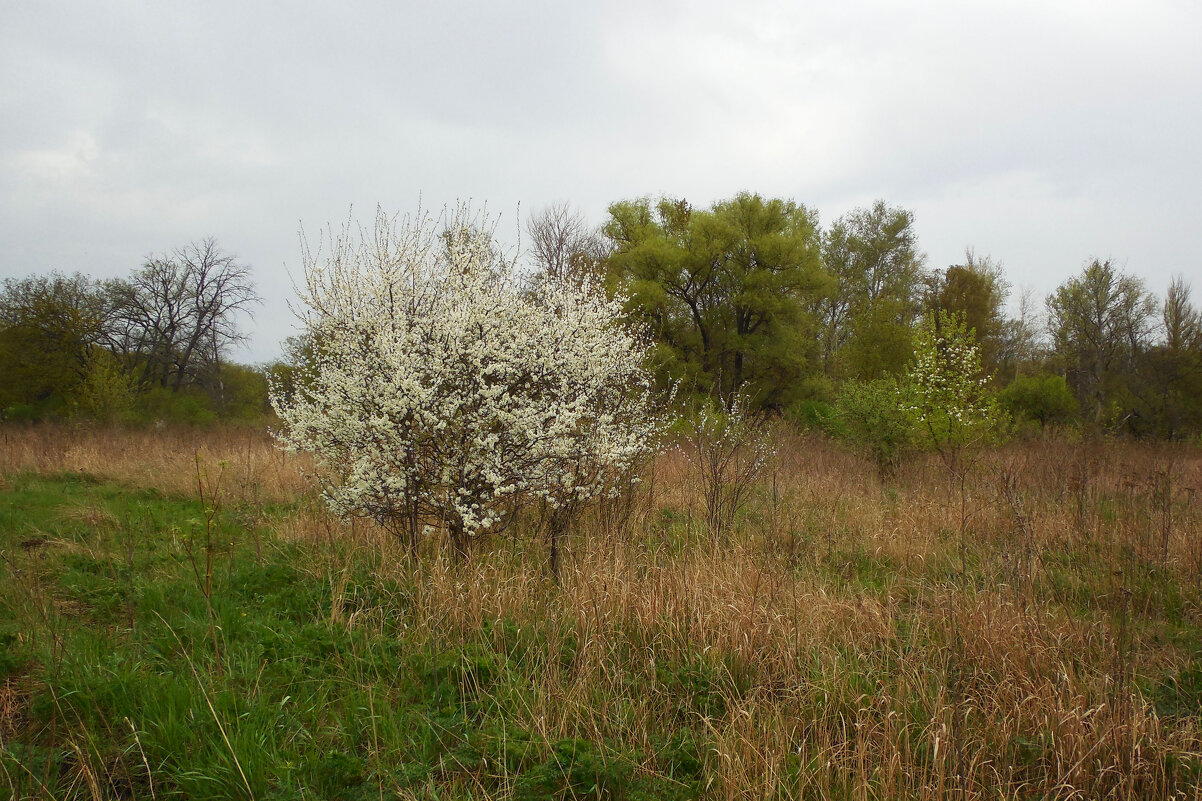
[(563, 245), (1021, 336), (177, 314), (1182, 322), (146, 317), (220, 289)]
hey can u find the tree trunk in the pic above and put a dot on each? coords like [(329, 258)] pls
[(458, 540), (413, 524), (560, 520)]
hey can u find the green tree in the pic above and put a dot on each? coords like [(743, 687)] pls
[(1167, 398), (875, 417), (1101, 322), (724, 291), (867, 316), (242, 392), (977, 291), (1044, 398), (1182, 321), (49, 326)]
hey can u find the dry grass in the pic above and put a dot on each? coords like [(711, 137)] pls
[(848, 657), (250, 466)]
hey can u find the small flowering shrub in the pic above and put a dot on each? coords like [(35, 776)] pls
[(727, 449), (951, 404), (947, 393), (441, 393)]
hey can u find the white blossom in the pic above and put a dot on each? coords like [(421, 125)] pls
[(947, 391), (442, 393)]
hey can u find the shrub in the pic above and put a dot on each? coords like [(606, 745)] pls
[(727, 449), (184, 406), (1044, 398), (442, 393), (947, 388), (106, 393), (873, 415), (816, 415)]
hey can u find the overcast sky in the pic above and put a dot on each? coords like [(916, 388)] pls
[(1040, 133)]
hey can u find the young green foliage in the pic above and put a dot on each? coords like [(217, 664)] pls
[(1101, 323), (868, 311), (874, 416), (1044, 399)]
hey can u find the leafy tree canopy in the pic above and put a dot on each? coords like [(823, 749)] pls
[(867, 316), (725, 291)]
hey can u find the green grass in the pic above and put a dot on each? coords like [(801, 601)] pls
[(304, 672), (125, 686)]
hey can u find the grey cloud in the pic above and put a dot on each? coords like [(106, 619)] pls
[(1038, 132)]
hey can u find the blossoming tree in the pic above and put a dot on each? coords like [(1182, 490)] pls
[(949, 398), (948, 391), (444, 394)]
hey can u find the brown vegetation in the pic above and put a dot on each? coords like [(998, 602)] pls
[(854, 657)]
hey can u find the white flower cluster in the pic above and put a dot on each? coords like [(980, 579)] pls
[(715, 432), (442, 393), (948, 393)]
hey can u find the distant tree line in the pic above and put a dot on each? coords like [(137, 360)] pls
[(753, 296), (151, 346), (750, 296)]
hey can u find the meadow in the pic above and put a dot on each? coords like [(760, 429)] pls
[(179, 618)]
